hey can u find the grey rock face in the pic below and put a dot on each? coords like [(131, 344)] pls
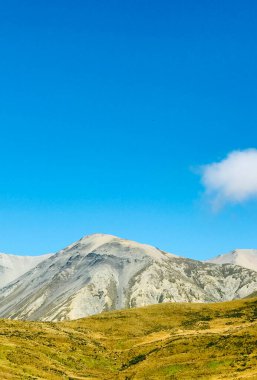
[(103, 272)]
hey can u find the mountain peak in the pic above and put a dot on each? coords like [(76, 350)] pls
[(113, 245), (246, 258), (98, 237)]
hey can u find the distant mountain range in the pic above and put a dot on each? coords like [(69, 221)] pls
[(14, 266), (103, 272)]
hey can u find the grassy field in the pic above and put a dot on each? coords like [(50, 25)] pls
[(165, 341)]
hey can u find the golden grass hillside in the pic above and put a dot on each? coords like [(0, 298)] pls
[(165, 341)]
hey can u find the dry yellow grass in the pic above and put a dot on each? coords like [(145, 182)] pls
[(165, 341)]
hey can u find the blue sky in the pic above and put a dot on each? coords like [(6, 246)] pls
[(107, 109)]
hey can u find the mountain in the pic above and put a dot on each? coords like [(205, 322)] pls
[(13, 266), (103, 272), (246, 258)]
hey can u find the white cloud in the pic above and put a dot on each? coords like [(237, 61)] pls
[(232, 180)]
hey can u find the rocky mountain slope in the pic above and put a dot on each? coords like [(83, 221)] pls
[(246, 258), (13, 266), (103, 272)]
